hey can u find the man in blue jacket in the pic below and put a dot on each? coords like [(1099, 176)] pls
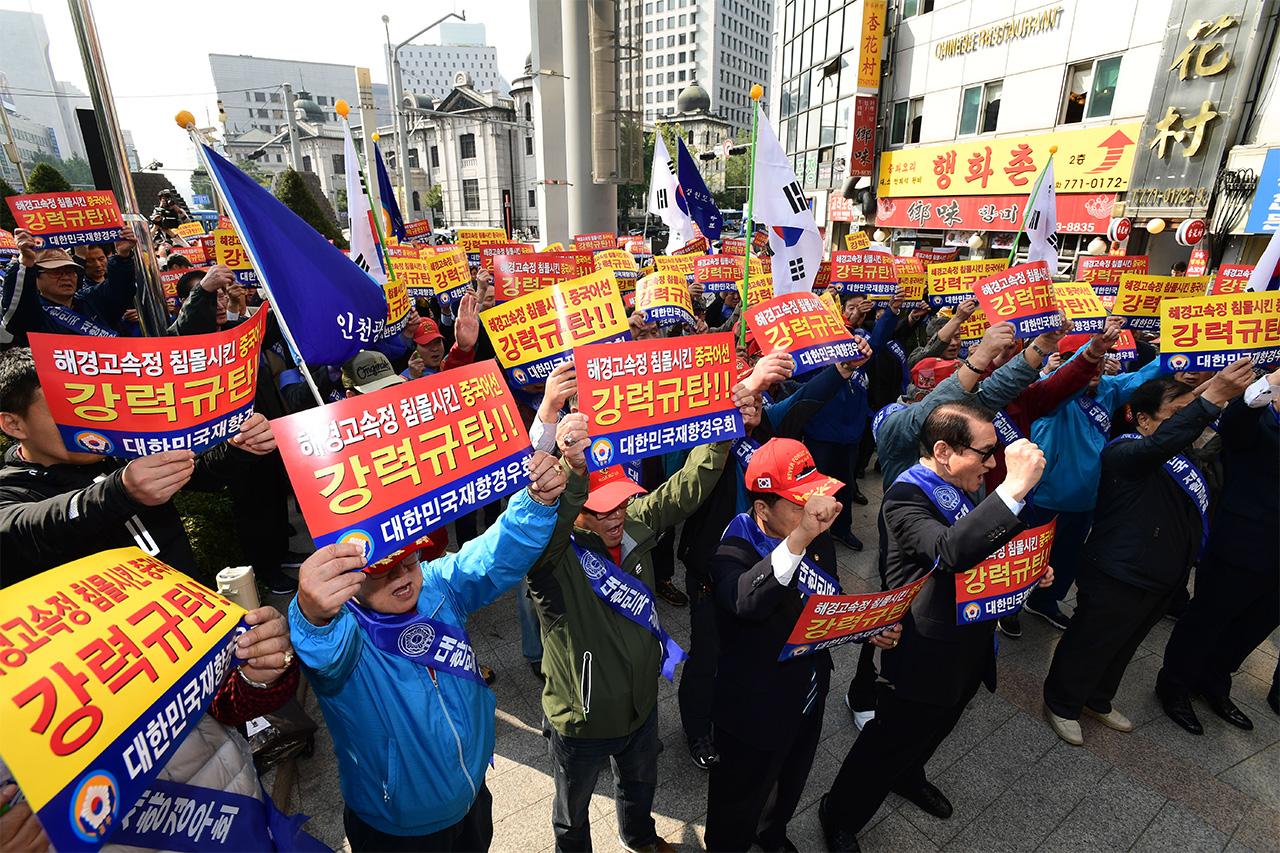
[(388, 654)]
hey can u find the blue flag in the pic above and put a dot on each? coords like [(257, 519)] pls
[(331, 306), (390, 210), (701, 206)]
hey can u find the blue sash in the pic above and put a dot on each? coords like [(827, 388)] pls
[(77, 323), (634, 471), (1185, 473), (952, 502), (881, 416), (810, 579), (422, 640), (629, 597), (1006, 430), (900, 353), (743, 449), (1098, 416)]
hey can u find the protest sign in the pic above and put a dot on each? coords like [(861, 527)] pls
[(717, 273), (872, 274), (169, 282), (972, 330), (635, 245), (1022, 295), (799, 323), (696, 246), (595, 242), (1082, 306), (952, 283), (447, 270), (856, 241), (132, 397), (664, 299), (410, 270), (421, 228), (936, 256), (8, 246), (108, 663), (1139, 297), (1104, 272), (650, 397), (1001, 583), (471, 239), (190, 229), (734, 246), (516, 275), (1210, 332), (490, 250), (759, 289), (913, 279), (198, 255), (829, 300), (1231, 278), (833, 620), (822, 280), (63, 220), (554, 247), (684, 265), (229, 252), (621, 264), (1126, 349), (386, 468), (533, 333)]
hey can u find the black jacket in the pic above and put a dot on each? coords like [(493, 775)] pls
[(1146, 529), (936, 658), (50, 516), (1243, 531), (758, 698)]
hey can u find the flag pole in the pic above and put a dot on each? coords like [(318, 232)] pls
[(1013, 253), (757, 92), (187, 122), (344, 109)]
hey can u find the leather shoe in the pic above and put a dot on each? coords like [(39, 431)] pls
[(1227, 710), (786, 846), (838, 840), (859, 498), (928, 798), (1178, 709)]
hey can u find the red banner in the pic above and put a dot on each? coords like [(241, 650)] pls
[(490, 251), (417, 229), (1000, 584), (169, 282), (133, 397), (8, 245), (833, 620), (516, 275), (595, 242), (799, 323), (862, 146), (1231, 278), (195, 254), (63, 220), (1104, 273), (1022, 295), (937, 256), (734, 246), (1077, 213)]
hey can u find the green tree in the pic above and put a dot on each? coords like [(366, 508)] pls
[(76, 170), (295, 195), (7, 222), (251, 168), (46, 179), (201, 184), (433, 198), (340, 206)]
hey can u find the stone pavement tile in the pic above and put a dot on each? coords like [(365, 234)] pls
[(1112, 817), (892, 834), (1175, 828), (528, 828), (519, 748), (316, 790), (519, 787), (1250, 693), (826, 764), (1033, 651), (682, 785), (1259, 831), (1136, 697), (805, 830), (1158, 637), (985, 714), (1221, 747)]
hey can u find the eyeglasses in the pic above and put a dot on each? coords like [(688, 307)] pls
[(985, 454), (620, 508)]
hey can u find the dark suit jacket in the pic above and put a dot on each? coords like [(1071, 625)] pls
[(936, 658), (1243, 531), (758, 698)]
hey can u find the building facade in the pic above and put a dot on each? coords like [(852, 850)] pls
[(31, 138), (27, 75), (429, 69)]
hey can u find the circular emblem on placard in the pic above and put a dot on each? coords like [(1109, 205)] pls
[(359, 537), (602, 451), (947, 497), (93, 442), (799, 650), (416, 640), (972, 611), (593, 566), (1179, 362), (519, 376), (95, 806)]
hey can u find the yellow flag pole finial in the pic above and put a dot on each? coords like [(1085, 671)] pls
[(342, 108), (757, 92), (1053, 149), (185, 120)]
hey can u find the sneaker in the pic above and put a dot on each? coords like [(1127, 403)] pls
[(853, 542), (293, 559), (1068, 730), (278, 583), (703, 752), (1055, 617), (659, 846), (860, 718), (671, 594), (488, 675), (1010, 626)]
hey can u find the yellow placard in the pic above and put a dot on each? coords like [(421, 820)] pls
[(664, 298), (856, 241), (446, 268), (1209, 332), (471, 239), (759, 290), (1138, 300), (951, 284), (229, 251), (829, 300), (1081, 304), (190, 229), (554, 247), (972, 330), (1094, 159), (623, 266), (682, 264)]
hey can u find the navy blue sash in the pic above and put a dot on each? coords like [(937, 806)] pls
[(900, 353), (420, 639), (1098, 416), (1006, 430), (1185, 473), (881, 416), (952, 502), (810, 579), (629, 597), (634, 471), (743, 449), (77, 323)]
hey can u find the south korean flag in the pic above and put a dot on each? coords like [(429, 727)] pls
[(665, 200)]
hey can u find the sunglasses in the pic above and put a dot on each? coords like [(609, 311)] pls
[(984, 454)]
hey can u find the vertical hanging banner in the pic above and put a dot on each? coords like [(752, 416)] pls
[(471, 239), (870, 45), (950, 284), (1104, 273), (684, 265), (862, 136), (664, 299), (595, 242), (801, 324), (1082, 306), (651, 397), (133, 397), (871, 274), (1199, 263), (386, 468), (1231, 278), (535, 332), (1210, 332), (63, 220), (1022, 295), (230, 253), (1139, 297), (108, 663), (1000, 584), (516, 275), (491, 250), (621, 264), (447, 269), (833, 620)]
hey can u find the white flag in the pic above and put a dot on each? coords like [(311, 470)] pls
[(1041, 222), (364, 240), (780, 204), (1266, 274), (665, 200)]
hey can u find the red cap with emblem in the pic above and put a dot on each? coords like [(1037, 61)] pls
[(386, 564), (609, 488), (784, 466)]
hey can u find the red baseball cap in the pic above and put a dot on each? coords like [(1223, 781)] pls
[(784, 466), (386, 564), (609, 488), (930, 371), (427, 332)]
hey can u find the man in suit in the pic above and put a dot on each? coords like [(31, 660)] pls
[(1238, 581), (926, 522), (768, 714)]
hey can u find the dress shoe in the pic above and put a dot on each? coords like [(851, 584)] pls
[(1113, 719), (785, 846), (838, 840), (1068, 730), (859, 498), (1227, 710), (850, 540), (928, 798), (1178, 709)]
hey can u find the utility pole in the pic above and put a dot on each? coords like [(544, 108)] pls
[(295, 150), (11, 149)]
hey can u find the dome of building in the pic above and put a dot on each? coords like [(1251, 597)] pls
[(306, 109), (421, 101), (528, 64), (693, 99)]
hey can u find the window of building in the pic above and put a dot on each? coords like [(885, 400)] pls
[(277, 113), (262, 113), (648, 61), (660, 60), (467, 147), (321, 100), (648, 26), (916, 7), (660, 25), (693, 19), (533, 198), (413, 158), (275, 97), (306, 163), (339, 164), (682, 39), (528, 145), (980, 108), (682, 76), (260, 97), (671, 59), (1091, 89), (279, 158), (648, 44), (470, 193), (906, 121), (648, 97), (528, 111), (684, 19), (435, 157)]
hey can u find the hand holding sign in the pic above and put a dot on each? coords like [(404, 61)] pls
[(27, 246), (572, 439), (255, 436), (20, 829), (1230, 382), (1100, 343), (1047, 580), (889, 638), (152, 480), (125, 243), (561, 385), (770, 370), (329, 579), (995, 341), (219, 277), (547, 478), (965, 309), (263, 647)]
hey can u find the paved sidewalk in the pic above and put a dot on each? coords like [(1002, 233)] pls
[(1014, 784)]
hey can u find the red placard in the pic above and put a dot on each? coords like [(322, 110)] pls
[(696, 246), (1000, 584), (516, 275), (1231, 278), (8, 245), (734, 246), (1077, 213), (1022, 295), (799, 323), (386, 468), (869, 273), (169, 282), (595, 242), (862, 145), (649, 397), (417, 229), (137, 396), (937, 256), (833, 620), (62, 220), (1199, 263), (195, 254), (488, 252)]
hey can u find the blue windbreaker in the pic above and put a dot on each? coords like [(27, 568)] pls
[(844, 418)]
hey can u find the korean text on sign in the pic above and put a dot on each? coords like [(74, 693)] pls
[(972, 330), (488, 251), (650, 397), (1082, 306), (1104, 273), (106, 664), (1138, 300), (595, 242), (833, 620), (799, 323), (537, 331), (1022, 295), (679, 264), (718, 273), (137, 396), (950, 284), (621, 263), (759, 289), (1231, 278), (857, 241), (664, 299), (913, 279), (872, 274), (410, 270), (471, 239), (230, 252), (1210, 332), (1001, 583), (8, 245), (446, 269), (387, 468), (516, 275), (63, 220)]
